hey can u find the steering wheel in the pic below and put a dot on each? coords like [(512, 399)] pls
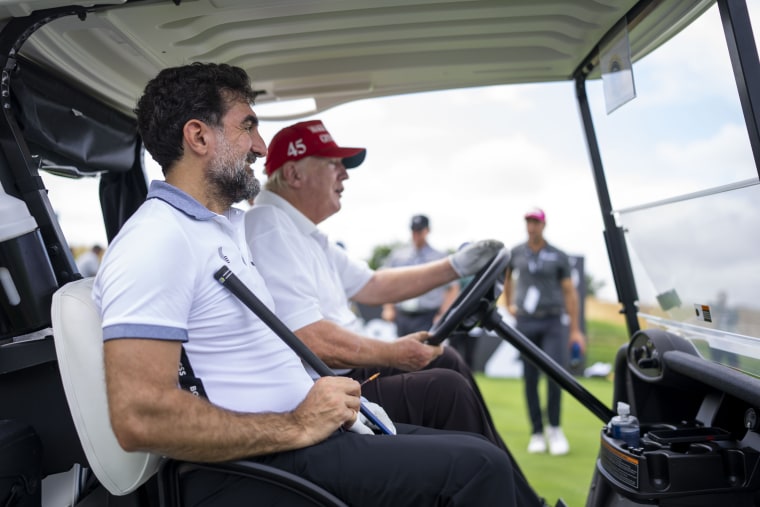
[(473, 302)]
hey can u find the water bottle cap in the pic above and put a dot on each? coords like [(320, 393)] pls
[(623, 408)]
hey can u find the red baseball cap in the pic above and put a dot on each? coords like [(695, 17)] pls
[(536, 214), (308, 139)]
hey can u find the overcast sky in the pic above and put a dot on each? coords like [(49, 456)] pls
[(474, 161)]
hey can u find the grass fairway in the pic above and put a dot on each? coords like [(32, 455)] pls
[(553, 477), (567, 477)]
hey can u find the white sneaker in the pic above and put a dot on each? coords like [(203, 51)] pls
[(537, 444), (558, 444)]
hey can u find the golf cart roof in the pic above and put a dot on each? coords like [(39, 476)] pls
[(684, 252), (333, 51)]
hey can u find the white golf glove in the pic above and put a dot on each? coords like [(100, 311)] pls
[(469, 259), (364, 426)]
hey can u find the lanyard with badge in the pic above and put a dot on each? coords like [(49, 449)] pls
[(532, 295)]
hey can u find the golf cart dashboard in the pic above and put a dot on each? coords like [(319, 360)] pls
[(681, 461), (668, 371), (699, 428)]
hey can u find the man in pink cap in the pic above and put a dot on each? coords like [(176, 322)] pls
[(543, 296), (312, 280)]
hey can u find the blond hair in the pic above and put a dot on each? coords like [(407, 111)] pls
[(276, 182)]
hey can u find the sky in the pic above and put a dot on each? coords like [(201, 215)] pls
[(475, 160)]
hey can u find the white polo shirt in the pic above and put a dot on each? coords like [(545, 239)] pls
[(157, 282), (309, 278)]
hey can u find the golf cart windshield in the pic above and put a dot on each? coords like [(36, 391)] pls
[(685, 192)]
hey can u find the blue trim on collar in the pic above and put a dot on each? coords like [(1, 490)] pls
[(179, 200)]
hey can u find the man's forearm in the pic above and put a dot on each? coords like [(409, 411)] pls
[(397, 284), (340, 348), (149, 412), (571, 304), (572, 312), (200, 431)]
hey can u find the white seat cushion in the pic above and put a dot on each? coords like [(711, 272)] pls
[(78, 339)]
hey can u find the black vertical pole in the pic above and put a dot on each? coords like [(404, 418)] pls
[(743, 54), (613, 235)]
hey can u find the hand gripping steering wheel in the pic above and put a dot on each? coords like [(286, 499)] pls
[(473, 302)]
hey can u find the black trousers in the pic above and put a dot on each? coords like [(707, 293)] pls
[(417, 467), (445, 396), (551, 335), (407, 323)]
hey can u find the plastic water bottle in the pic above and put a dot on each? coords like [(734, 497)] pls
[(575, 355), (625, 426)]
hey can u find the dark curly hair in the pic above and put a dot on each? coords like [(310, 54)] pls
[(201, 91)]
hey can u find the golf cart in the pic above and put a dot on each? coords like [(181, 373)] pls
[(684, 258)]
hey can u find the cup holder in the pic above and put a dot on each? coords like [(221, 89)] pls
[(648, 445), (677, 461), (682, 439)]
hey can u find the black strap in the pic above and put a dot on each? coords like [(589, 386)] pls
[(187, 379), (227, 278)]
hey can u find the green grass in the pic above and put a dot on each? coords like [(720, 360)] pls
[(605, 338), (567, 477)]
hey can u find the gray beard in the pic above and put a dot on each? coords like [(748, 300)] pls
[(230, 179)]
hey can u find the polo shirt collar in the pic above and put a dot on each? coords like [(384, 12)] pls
[(184, 202), (302, 223)]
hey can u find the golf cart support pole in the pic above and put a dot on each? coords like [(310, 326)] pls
[(493, 321)]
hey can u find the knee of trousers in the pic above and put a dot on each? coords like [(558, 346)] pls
[(447, 384), (490, 471), (451, 360)]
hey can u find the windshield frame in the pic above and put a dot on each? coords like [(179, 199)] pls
[(743, 55)]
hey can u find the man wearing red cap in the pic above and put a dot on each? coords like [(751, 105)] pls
[(252, 398), (543, 296), (312, 279)]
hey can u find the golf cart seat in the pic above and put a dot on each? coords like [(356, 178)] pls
[(79, 347)]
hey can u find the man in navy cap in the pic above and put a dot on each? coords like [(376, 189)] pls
[(418, 313)]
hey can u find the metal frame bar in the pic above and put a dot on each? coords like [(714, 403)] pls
[(743, 54), (28, 184), (613, 235), (744, 59)]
